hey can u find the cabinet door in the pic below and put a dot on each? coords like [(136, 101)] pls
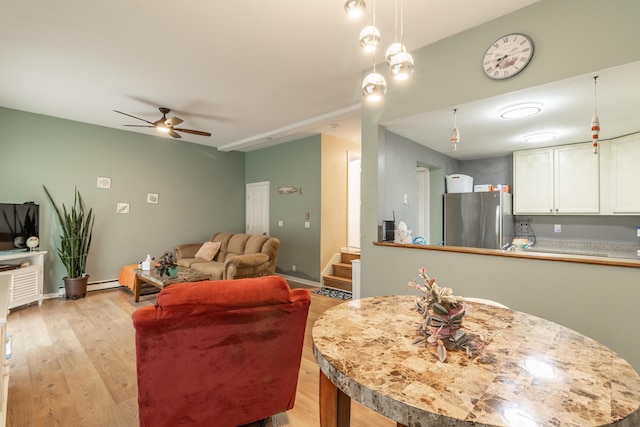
[(625, 153), (577, 180), (533, 181)]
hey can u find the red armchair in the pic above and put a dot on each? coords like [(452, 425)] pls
[(223, 353)]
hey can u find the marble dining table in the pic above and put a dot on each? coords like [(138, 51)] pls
[(531, 373)]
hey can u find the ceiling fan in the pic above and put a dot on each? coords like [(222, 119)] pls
[(166, 124)]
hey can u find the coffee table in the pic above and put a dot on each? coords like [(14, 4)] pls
[(149, 276)]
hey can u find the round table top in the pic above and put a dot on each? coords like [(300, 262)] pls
[(533, 373)]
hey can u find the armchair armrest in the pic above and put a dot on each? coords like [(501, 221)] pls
[(187, 250), (250, 265)]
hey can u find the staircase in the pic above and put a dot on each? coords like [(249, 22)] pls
[(341, 276)]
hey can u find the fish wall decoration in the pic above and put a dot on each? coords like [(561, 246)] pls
[(289, 190)]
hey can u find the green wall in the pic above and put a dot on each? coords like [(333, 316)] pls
[(572, 37), (201, 190), (295, 164)]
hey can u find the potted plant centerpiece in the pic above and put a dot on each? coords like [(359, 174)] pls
[(167, 265), (75, 241), (442, 313)]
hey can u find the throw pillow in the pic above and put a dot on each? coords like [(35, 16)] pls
[(208, 250)]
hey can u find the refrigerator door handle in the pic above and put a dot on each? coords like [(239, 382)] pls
[(498, 226)]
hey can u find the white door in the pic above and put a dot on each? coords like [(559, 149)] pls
[(353, 201), (257, 221)]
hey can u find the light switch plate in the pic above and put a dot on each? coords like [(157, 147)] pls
[(638, 231), (557, 228), (280, 223)]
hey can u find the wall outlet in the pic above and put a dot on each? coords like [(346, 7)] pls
[(557, 228), (307, 224), (61, 292), (638, 231), (293, 267), (280, 223), (405, 200)]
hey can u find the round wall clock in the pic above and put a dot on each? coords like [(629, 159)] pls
[(507, 56)]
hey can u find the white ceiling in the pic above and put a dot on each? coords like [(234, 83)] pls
[(253, 73), (568, 107)]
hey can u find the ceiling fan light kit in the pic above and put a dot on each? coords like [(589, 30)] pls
[(166, 125)]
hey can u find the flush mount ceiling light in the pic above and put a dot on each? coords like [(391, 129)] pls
[(354, 8), (540, 137), (520, 111)]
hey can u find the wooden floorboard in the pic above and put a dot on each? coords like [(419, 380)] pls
[(73, 364)]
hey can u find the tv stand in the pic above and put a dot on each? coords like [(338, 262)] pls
[(25, 284)]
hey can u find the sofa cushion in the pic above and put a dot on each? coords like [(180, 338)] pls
[(214, 269), (208, 250), (236, 244), (255, 243), (223, 238)]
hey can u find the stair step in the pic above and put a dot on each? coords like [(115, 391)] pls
[(347, 257), (337, 282), (342, 270)]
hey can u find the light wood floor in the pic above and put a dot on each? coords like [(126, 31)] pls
[(73, 364)]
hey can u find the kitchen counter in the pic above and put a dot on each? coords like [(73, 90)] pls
[(614, 257)]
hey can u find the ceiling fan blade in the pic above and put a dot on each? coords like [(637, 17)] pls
[(139, 126), (195, 132), (116, 111), (173, 121), (174, 134)]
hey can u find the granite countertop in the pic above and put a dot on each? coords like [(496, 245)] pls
[(587, 248), (614, 255), (534, 372)]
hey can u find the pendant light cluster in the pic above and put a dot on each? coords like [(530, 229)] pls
[(595, 121), (399, 61)]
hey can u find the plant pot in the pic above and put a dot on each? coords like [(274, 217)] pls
[(442, 325), (172, 271), (75, 287)]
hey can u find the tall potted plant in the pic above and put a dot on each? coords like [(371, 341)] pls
[(75, 241)]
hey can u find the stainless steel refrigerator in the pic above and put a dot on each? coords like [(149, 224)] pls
[(478, 220)]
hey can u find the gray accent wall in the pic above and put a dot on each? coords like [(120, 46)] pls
[(567, 293), (201, 190), (294, 164)]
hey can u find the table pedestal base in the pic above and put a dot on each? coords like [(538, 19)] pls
[(335, 405)]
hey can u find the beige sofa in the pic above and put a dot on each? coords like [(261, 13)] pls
[(240, 256)]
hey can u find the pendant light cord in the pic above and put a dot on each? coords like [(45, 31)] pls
[(595, 93)]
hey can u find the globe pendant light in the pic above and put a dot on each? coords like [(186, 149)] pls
[(455, 133), (369, 38), (401, 65), (399, 61), (370, 35), (354, 8), (595, 121), (374, 86)]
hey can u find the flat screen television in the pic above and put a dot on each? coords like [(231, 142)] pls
[(18, 222)]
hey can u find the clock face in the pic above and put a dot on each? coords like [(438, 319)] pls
[(507, 56)]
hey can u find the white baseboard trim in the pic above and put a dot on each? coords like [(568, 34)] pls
[(107, 284), (303, 281)]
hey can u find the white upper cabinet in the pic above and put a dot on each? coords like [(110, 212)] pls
[(533, 182), (556, 180), (625, 175)]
